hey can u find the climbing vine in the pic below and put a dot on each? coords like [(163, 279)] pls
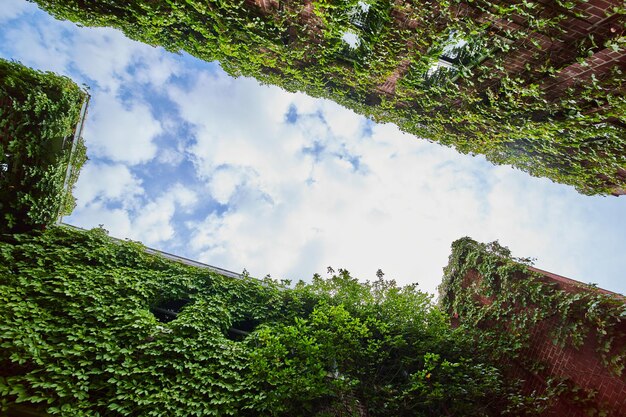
[(81, 336), (39, 113), (391, 71), (499, 300)]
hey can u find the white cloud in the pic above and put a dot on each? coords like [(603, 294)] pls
[(107, 182), (101, 57), (152, 223), (225, 181), (170, 157), (352, 219), (401, 214), (116, 221), (13, 8), (104, 55), (344, 124), (32, 46), (542, 220), (155, 67), (304, 103), (124, 134)]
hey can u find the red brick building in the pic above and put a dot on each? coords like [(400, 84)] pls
[(537, 84), (557, 321), (581, 365)]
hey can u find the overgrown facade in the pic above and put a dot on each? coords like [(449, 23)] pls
[(564, 339), (91, 326), (95, 327), (41, 150), (535, 84)]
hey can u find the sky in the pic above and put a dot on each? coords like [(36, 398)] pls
[(223, 170)]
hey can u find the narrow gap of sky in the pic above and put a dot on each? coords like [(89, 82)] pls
[(191, 161)]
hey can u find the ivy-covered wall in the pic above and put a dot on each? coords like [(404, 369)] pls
[(93, 327), (39, 113), (567, 340), (535, 84)]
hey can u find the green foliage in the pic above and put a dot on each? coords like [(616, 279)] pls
[(38, 115), (77, 160), (78, 339), (482, 106), (500, 301)]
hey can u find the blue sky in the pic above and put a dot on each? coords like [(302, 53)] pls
[(191, 161)]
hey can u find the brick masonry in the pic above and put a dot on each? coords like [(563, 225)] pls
[(595, 18), (581, 365)]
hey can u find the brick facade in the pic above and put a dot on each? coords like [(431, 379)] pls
[(539, 85), (581, 366)]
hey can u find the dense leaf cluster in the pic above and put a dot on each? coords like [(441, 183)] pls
[(391, 70), (79, 339), (499, 300), (39, 112)]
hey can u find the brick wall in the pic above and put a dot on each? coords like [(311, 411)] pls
[(582, 365), (561, 48)]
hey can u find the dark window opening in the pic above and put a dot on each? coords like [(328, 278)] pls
[(168, 310), (239, 330)]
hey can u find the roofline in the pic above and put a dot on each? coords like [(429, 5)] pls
[(569, 281), (172, 257)]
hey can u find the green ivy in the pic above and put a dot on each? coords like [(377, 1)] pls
[(39, 112), (500, 301), (79, 339), (575, 137)]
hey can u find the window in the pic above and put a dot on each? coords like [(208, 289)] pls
[(167, 311), (358, 14), (456, 52), (239, 330)]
